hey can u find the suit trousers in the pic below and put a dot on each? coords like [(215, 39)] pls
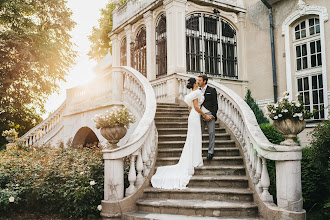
[(211, 129)]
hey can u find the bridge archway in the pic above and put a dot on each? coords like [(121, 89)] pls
[(85, 136)]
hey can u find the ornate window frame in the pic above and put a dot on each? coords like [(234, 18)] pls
[(304, 10), (161, 45)]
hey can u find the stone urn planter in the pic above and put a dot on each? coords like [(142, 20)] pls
[(289, 128), (114, 134), (10, 139)]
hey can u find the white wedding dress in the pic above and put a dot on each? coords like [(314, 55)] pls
[(178, 176)]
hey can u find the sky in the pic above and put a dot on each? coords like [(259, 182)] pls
[(86, 14)]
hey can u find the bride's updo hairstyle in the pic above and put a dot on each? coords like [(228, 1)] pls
[(191, 83)]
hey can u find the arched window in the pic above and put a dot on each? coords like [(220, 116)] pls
[(308, 64), (139, 49), (161, 50), (211, 46), (123, 52)]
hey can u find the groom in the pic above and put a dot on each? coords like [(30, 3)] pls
[(209, 107)]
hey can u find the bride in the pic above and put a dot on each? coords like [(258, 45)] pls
[(178, 176)]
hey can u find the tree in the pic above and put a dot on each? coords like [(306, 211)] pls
[(99, 37), (255, 108), (35, 54)]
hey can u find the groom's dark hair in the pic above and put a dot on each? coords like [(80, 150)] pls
[(205, 78)]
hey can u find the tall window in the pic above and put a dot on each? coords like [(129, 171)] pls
[(161, 50), (123, 52), (211, 46), (139, 50), (308, 64)]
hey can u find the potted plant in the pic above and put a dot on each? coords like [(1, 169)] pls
[(289, 117), (10, 135), (113, 124)]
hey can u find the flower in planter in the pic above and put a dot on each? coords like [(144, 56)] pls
[(99, 207), (10, 133), (111, 118), (284, 109), (92, 183), (11, 199)]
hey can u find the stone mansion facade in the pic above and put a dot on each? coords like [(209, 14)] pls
[(230, 41)]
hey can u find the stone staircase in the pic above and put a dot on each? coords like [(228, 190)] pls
[(218, 190)]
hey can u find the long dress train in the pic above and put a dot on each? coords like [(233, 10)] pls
[(177, 176)]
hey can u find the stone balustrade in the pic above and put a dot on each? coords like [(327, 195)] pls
[(239, 118), (36, 134), (135, 91)]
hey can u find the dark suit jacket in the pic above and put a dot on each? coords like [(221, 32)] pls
[(211, 100)]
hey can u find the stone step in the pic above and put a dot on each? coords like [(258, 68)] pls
[(176, 152), (205, 143), (218, 181), (198, 207), (166, 104), (174, 111), (213, 194), (177, 124), (157, 216), (168, 131), (171, 119), (169, 107), (182, 137), (216, 161), (221, 170)]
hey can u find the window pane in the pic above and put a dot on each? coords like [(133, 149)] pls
[(304, 49), (320, 81), (311, 31), (303, 33), (318, 45), (322, 111), (313, 59), (303, 25), (299, 64), (306, 98), (311, 21), (315, 97), (298, 51), (314, 82), (305, 63), (319, 59), (312, 46), (297, 28), (316, 115), (318, 29), (317, 21), (297, 35), (300, 85), (321, 96), (306, 85)]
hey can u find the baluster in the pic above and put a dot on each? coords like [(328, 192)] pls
[(30, 140), (144, 159), (265, 182), (139, 168), (131, 177), (255, 167), (27, 142), (259, 190)]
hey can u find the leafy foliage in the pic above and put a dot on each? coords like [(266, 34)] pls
[(255, 108), (35, 54), (47, 180), (99, 37)]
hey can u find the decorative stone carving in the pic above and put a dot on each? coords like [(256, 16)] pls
[(289, 128)]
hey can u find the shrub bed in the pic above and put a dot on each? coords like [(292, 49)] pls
[(64, 181)]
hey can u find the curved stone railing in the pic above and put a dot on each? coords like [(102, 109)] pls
[(240, 119), (140, 147), (39, 132)]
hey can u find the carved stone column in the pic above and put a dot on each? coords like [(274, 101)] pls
[(176, 35), (151, 45)]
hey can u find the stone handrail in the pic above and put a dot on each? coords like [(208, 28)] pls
[(240, 119), (141, 146), (34, 135)]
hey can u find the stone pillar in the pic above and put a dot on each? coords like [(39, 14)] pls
[(115, 50), (151, 45), (176, 35), (288, 185), (117, 76), (113, 186), (128, 31), (241, 43)]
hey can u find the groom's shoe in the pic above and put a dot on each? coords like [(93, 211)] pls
[(209, 157)]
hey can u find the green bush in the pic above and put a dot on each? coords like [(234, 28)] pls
[(47, 180), (255, 108)]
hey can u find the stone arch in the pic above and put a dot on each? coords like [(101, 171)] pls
[(85, 136)]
